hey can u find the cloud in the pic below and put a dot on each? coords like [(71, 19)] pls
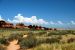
[(1, 18), (32, 20), (56, 23), (51, 22), (60, 22), (72, 22)]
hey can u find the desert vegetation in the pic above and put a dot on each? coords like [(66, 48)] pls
[(38, 39)]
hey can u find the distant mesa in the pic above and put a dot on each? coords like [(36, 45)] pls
[(4, 24)]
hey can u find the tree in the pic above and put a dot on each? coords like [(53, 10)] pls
[(36, 27), (40, 27), (50, 28), (2, 23), (30, 26), (33, 26), (46, 28), (55, 29)]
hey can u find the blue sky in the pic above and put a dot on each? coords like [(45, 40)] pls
[(54, 13)]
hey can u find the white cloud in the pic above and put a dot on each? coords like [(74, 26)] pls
[(56, 23), (60, 22), (72, 22), (33, 20), (51, 22), (1, 18), (41, 21)]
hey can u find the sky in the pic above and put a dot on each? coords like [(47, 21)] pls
[(47, 13)]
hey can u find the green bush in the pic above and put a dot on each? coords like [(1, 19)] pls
[(71, 40), (71, 32), (28, 42), (48, 41), (62, 32), (15, 36), (4, 41), (41, 33), (52, 40), (59, 37)]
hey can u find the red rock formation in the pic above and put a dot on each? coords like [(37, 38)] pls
[(4, 24), (20, 25)]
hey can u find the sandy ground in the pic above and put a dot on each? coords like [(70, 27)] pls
[(24, 36), (13, 45)]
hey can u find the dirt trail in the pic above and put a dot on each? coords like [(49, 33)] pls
[(13, 45), (24, 36)]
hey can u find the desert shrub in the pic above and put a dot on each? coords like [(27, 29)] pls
[(58, 33), (48, 41), (28, 42), (63, 32), (52, 40), (71, 40), (43, 47), (41, 33), (68, 46), (54, 33), (59, 37), (15, 36), (41, 41), (4, 41), (30, 34), (71, 32), (2, 48)]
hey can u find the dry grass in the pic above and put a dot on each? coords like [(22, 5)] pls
[(40, 35), (66, 46)]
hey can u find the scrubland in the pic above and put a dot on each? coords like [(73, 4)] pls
[(38, 39)]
